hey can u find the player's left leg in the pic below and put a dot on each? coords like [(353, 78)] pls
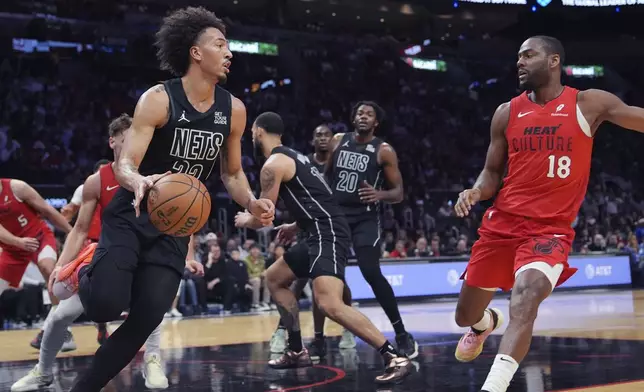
[(153, 371), (278, 340), (541, 265)]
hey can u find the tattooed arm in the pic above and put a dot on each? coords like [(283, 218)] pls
[(277, 168), (152, 112), (232, 173)]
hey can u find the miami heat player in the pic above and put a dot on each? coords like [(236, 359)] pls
[(545, 136), (24, 235)]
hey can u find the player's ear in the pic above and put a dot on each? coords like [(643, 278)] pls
[(555, 60), (195, 53)]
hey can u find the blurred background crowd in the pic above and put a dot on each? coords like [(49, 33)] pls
[(66, 70)]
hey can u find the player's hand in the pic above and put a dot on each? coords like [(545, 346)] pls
[(52, 279), (368, 194), (141, 186), (195, 267), (262, 209), (28, 244), (243, 219), (466, 200), (286, 233)]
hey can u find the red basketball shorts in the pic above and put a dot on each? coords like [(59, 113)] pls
[(13, 263), (508, 242)]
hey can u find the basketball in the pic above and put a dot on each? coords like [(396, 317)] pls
[(178, 205)]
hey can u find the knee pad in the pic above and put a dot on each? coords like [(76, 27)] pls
[(551, 272)]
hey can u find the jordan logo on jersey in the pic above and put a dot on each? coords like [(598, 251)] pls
[(353, 161), (192, 147), (220, 119)]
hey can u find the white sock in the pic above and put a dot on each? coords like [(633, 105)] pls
[(501, 374), (153, 344), (483, 323), (49, 316)]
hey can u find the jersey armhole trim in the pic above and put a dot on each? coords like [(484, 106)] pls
[(14, 193), (171, 106), (583, 123)]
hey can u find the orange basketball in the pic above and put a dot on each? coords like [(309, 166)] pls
[(178, 205)]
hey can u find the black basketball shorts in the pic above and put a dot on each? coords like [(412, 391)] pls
[(130, 240), (365, 231), (318, 256)]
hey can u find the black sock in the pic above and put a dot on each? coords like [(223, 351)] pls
[(387, 348), (399, 327), (280, 325), (295, 341), (319, 336)]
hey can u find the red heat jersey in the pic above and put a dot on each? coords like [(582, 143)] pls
[(549, 155), (108, 185), (19, 218)]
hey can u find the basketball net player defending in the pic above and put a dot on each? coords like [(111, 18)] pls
[(322, 136), (25, 237), (98, 190), (359, 165), (322, 256), (178, 126), (545, 136)]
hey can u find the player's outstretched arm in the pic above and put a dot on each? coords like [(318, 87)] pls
[(489, 181), (78, 235), (393, 179), (152, 111), (611, 108), (490, 178), (232, 173), (26, 193)]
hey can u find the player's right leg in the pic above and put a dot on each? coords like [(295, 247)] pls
[(491, 266), (54, 337), (328, 295), (153, 290)]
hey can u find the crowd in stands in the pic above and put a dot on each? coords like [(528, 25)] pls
[(54, 112)]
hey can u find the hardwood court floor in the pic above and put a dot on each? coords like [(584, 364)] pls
[(591, 341)]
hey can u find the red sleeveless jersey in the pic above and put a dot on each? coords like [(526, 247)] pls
[(19, 218), (549, 155), (108, 185)]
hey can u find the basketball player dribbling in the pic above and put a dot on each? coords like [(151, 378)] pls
[(545, 136), (322, 256), (25, 237), (98, 190), (359, 165), (322, 136), (178, 126)]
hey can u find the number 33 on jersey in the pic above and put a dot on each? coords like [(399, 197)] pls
[(549, 157)]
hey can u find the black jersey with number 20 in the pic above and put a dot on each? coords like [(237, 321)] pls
[(352, 163), (190, 141)]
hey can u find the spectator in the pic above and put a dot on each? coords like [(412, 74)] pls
[(238, 287), (435, 247), (256, 269), (421, 248), (400, 252), (598, 245), (215, 275)]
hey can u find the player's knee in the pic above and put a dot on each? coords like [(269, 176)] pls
[(527, 295)]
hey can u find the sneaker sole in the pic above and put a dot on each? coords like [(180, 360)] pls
[(464, 359), (150, 386)]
